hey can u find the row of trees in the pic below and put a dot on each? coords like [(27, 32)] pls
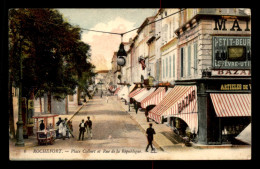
[(46, 55)]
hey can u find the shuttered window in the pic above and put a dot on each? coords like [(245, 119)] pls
[(182, 62), (195, 58), (173, 66), (189, 60), (170, 67)]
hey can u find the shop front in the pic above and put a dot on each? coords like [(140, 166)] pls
[(229, 111)]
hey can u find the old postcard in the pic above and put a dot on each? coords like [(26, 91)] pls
[(129, 84)]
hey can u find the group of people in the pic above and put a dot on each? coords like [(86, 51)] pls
[(64, 129), (85, 126)]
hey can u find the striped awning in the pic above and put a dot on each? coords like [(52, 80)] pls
[(131, 88), (179, 102), (136, 92), (149, 92), (139, 95), (231, 105), (123, 93), (117, 90), (154, 99)]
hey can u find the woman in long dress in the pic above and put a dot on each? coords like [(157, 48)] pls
[(62, 129)]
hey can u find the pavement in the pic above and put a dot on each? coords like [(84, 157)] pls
[(164, 137)]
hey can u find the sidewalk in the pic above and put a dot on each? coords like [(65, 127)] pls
[(162, 138)]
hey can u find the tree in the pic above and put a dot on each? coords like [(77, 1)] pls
[(50, 50)]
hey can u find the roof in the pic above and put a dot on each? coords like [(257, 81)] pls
[(102, 71)]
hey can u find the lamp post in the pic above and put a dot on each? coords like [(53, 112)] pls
[(19, 136)]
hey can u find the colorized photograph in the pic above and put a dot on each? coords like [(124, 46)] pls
[(129, 84)]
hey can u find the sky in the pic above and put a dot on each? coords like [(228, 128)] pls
[(110, 20)]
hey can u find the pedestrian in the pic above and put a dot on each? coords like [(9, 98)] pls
[(81, 130), (107, 98), (136, 107), (150, 132), (146, 115), (42, 126), (57, 131), (62, 129), (88, 125)]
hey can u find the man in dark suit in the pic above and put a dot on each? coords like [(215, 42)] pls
[(150, 132), (81, 129), (88, 125)]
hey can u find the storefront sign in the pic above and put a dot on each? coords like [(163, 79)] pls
[(221, 25), (186, 101), (223, 72), (235, 87), (231, 52)]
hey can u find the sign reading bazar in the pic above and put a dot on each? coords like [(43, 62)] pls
[(223, 72), (186, 101)]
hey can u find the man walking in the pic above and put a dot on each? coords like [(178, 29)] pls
[(81, 129), (88, 125), (150, 132)]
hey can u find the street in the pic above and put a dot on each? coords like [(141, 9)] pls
[(115, 136)]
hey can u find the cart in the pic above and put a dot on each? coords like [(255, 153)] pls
[(46, 136)]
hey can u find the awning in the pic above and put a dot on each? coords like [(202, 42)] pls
[(139, 95), (131, 88), (245, 135), (117, 90), (231, 105), (154, 99), (145, 94), (180, 102), (123, 93), (135, 92)]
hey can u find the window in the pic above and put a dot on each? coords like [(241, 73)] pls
[(163, 69), (189, 60), (170, 31), (182, 62), (166, 67), (173, 65), (195, 58), (170, 67)]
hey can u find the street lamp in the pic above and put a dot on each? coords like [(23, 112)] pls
[(19, 136), (121, 54)]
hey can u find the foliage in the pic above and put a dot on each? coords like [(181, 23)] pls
[(54, 58)]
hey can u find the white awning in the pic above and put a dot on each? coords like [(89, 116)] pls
[(245, 135), (123, 93), (146, 95), (138, 96)]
